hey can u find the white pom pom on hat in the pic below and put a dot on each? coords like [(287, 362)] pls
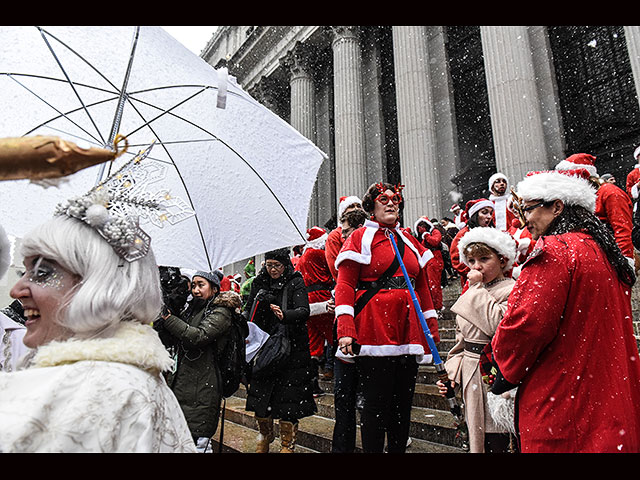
[(500, 241)]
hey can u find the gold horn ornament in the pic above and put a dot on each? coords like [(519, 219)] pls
[(41, 157)]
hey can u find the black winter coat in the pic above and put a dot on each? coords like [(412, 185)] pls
[(288, 395)]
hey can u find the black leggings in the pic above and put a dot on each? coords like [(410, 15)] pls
[(387, 384)]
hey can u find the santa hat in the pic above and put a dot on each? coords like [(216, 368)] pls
[(571, 186), (316, 237), (423, 219), (495, 177), (346, 202), (579, 160), (455, 207), (636, 153), (474, 206), (500, 241)]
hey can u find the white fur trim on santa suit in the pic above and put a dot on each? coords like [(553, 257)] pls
[(389, 351), (476, 207), (500, 241), (346, 203), (496, 176), (364, 256), (554, 185), (501, 204)]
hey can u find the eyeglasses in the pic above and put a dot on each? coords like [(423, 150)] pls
[(533, 207), (273, 266), (383, 198)]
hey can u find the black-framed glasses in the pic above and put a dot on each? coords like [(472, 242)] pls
[(533, 207), (273, 266)]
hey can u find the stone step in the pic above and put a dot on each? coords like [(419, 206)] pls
[(432, 431)]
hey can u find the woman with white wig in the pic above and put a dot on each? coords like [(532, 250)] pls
[(93, 380)]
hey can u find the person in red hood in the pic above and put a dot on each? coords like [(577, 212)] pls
[(566, 340)]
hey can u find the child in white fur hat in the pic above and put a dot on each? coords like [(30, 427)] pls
[(490, 254)]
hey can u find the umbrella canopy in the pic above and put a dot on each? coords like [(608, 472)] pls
[(246, 173)]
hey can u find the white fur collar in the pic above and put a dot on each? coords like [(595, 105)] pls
[(132, 343)]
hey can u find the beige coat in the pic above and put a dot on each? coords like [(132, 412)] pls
[(478, 313)]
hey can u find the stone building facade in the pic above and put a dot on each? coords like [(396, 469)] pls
[(441, 108)]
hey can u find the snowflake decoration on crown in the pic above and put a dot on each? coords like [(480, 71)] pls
[(116, 207)]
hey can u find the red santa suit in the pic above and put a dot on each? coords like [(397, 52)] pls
[(312, 264), (613, 207), (632, 182), (567, 341), (432, 240), (456, 263), (388, 324), (502, 213), (524, 241), (331, 249)]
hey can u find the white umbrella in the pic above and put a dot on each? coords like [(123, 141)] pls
[(246, 173)]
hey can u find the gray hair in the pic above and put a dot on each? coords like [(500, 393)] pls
[(110, 289)]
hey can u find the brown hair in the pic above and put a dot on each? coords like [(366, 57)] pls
[(478, 249), (355, 218), (369, 198)]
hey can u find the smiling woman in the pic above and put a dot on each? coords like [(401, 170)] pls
[(92, 381)]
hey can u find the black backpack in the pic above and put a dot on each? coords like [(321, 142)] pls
[(232, 360)]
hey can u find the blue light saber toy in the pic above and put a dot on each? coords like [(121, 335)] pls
[(454, 407)]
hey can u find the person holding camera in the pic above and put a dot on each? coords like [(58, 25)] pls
[(279, 297)]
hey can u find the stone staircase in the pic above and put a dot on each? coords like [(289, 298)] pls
[(432, 425)]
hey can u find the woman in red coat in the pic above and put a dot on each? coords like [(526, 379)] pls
[(375, 311), (566, 339), (478, 213)]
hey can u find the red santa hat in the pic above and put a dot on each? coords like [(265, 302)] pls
[(346, 202), (316, 237), (423, 219), (495, 177), (500, 241), (579, 160), (474, 206), (571, 186), (454, 208)]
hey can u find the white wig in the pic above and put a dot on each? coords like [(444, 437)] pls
[(110, 290), (500, 241)]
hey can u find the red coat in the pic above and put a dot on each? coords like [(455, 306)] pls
[(434, 267), (456, 263), (388, 325), (632, 179), (567, 340), (319, 282), (331, 249), (614, 207)]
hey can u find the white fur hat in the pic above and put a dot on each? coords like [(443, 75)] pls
[(500, 241), (496, 176), (570, 186), (346, 202)]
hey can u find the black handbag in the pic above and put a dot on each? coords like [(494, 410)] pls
[(273, 355)]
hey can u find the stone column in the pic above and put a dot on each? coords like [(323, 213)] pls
[(632, 36), (350, 153), (513, 101), (299, 64), (416, 124)]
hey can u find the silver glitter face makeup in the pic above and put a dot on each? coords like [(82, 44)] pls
[(45, 274)]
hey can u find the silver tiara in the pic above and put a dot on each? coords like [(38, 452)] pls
[(116, 206)]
